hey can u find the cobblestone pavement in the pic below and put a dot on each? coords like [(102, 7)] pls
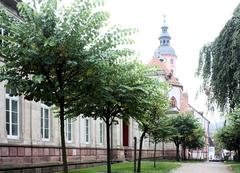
[(206, 167)]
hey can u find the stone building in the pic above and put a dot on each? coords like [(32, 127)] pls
[(30, 134), (165, 59)]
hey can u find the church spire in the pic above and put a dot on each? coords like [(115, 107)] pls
[(164, 37), (165, 52)]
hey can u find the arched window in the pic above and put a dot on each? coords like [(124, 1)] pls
[(173, 102)]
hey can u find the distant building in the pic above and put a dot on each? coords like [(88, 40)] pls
[(211, 149), (165, 59)]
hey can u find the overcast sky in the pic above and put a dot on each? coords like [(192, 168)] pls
[(192, 23)]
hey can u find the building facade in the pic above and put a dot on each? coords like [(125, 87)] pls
[(165, 59), (30, 133)]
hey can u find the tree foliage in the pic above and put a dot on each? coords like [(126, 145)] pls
[(160, 131), (151, 110), (185, 129), (117, 91), (228, 137), (219, 65), (51, 51)]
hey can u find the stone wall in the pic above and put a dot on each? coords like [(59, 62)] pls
[(22, 155)]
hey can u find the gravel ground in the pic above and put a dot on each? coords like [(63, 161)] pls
[(207, 167)]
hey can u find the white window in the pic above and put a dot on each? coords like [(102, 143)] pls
[(69, 126), (87, 130), (12, 115), (45, 122), (102, 134)]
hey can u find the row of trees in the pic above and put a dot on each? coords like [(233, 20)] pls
[(182, 129), (70, 58)]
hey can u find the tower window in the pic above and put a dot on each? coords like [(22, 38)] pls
[(173, 102), (163, 41), (172, 61)]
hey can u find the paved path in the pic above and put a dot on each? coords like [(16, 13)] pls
[(207, 167)]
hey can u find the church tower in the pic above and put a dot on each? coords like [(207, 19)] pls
[(165, 52)]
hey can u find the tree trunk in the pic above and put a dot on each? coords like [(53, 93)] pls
[(238, 154), (108, 146), (140, 152), (155, 146), (177, 152), (64, 154), (163, 149), (184, 153)]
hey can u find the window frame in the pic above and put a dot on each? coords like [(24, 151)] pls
[(67, 124), (87, 129), (101, 129), (11, 98), (43, 106)]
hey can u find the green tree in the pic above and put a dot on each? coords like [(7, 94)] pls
[(184, 126), (116, 95), (219, 65), (194, 140), (152, 109), (229, 135), (160, 132), (52, 50)]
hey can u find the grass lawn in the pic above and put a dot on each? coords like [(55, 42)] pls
[(127, 167), (235, 166)]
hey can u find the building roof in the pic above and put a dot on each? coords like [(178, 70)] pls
[(168, 75), (164, 50), (200, 113)]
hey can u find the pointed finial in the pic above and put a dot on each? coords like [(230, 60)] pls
[(164, 18)]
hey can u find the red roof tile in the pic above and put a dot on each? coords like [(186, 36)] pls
[(173, 80)]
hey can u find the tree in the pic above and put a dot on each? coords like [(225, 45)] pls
[(194, 140), (118, 89), (184, 126), (160, 132), (219, 65), (229, 135), (51, 51), (155, 107)]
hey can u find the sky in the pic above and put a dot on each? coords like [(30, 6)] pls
[(192, 23)]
